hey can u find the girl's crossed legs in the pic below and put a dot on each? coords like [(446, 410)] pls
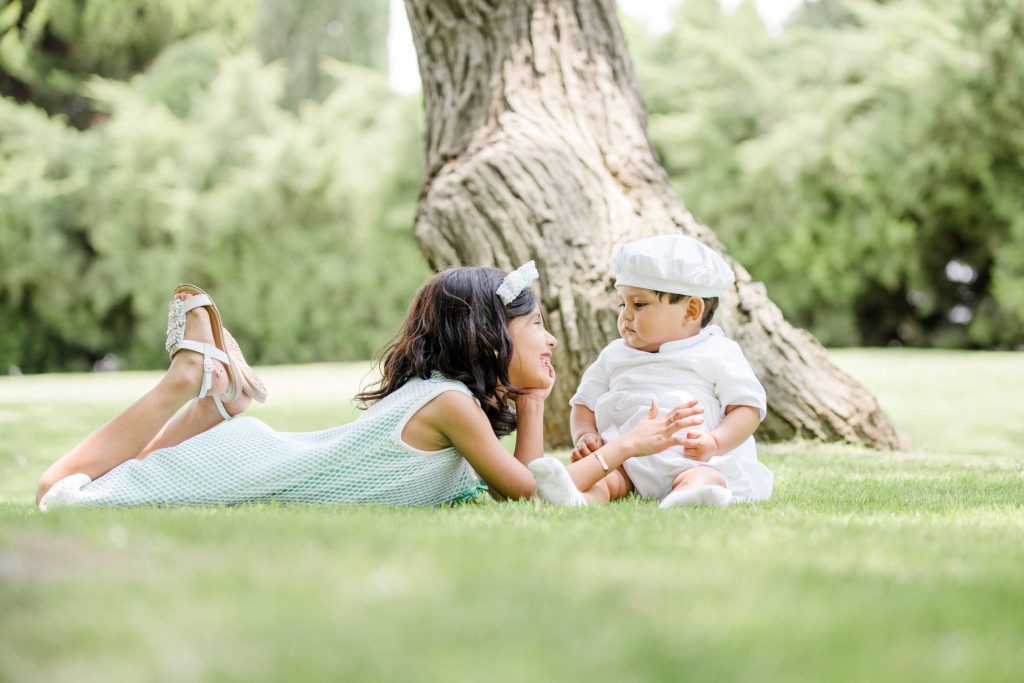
[(153, 421)]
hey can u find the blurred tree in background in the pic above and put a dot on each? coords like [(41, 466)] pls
[(304, 33), (866, 164)]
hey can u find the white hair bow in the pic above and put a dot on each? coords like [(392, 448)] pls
[(516, 281)]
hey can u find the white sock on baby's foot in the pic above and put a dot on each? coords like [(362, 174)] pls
[(554, 483), (707, 495)]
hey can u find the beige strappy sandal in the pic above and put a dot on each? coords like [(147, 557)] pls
[(251, 382), (223, 350)]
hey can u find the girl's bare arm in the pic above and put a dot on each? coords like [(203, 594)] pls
[(461, 423)]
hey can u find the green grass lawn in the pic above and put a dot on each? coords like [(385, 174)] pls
[(864, 566)]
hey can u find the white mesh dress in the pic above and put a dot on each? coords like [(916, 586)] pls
[(245, 461)]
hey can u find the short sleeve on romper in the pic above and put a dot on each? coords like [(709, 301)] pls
[(735, 382)]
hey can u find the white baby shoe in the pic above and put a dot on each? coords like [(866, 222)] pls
[(65, 492), (707, 495), (554, 483)]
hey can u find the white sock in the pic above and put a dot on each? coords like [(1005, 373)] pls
[(65, 492), (707, 495), (554, 483)]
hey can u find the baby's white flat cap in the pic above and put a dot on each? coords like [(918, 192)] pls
[(672, 263)]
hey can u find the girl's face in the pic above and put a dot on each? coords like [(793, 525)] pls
[(531, 352)]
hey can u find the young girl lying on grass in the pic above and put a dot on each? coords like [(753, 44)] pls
[(471, 363)]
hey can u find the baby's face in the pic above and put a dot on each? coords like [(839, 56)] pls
[(646, 322)]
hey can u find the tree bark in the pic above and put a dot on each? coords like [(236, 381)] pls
[(536, 148)]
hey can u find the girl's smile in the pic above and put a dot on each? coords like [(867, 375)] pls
[(531, 354)]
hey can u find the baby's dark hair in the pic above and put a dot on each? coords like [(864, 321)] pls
[(457, 326), (710, 304)]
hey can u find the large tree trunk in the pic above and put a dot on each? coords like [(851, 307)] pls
[(536, 148)]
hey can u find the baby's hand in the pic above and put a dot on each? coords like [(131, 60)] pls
[(700, 446), (585, 445)]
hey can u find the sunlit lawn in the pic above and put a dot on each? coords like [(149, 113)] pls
[(865, 566)]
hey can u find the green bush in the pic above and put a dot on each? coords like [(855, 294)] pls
[(868, 171), (297, 221), (48, 48)]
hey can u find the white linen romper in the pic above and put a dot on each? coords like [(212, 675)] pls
[(708, 367), (245, 461)]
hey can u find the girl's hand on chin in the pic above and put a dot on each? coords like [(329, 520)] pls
[(654, 434), (538, 393)]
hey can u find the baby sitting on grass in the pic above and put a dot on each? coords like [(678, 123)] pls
[(668, 289)]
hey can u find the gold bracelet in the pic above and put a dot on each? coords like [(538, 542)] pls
[(600, 459)]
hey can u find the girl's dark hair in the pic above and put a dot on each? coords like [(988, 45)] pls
[(457, 326)]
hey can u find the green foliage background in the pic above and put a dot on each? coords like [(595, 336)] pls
[(857, 160), (866, 163), (296, 213)]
